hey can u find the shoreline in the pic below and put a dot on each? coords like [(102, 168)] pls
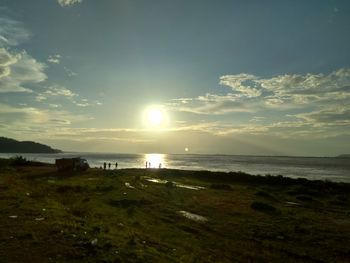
[(230, 176)]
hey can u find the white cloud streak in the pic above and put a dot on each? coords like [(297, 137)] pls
[(68, 2)]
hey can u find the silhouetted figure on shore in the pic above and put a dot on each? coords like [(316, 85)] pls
[(109, 166), (116, 165), (146, 165), (149, 164), (160, 165), (104, 166)]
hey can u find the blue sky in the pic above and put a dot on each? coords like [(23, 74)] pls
[(232, 77)]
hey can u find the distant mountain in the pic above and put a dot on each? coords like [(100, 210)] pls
[(343, 156), (8, 145)]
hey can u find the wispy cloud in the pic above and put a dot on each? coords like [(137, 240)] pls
[(21, 117), (58, 92), (12, 33), (54, 59), (68, 2), (70, 72)]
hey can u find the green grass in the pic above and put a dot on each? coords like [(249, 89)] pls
[(93, 216)]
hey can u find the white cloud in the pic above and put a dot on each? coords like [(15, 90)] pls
[(6, 60), (18, 70), (241, 84), (293, 105), (58, 90), (252, 93), (69, 2), (21, 70), (54, 59)]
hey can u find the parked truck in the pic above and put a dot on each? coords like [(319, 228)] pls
[(72, 164)]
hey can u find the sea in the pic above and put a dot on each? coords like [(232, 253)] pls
[(314, 168)]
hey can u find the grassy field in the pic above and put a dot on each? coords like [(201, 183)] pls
[(121, 216)]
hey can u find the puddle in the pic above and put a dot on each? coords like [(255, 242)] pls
[(193, 217), (128, 185), (159, 181), (192, 187)]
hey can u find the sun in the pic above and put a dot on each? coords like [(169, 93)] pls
[(155, 116)]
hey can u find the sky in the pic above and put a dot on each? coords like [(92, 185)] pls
[(166, 76)]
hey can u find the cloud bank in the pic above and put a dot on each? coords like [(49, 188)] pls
[(284, 105)]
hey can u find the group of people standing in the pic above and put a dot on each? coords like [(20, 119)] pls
[(148, 165), (109, 166)]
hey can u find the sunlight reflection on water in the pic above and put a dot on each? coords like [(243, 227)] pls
[(155, 160)]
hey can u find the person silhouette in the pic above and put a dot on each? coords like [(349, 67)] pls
[(116, 165), (146, 165), (160, 165), (109, 166), (104, 166)]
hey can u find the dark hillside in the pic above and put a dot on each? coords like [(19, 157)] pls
[(8, 145)]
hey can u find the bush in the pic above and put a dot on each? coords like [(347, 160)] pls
[(19, 160), (170, 184), (264, 207), (305, 198), (263, 194)]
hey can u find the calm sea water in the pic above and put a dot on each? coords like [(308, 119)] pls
[(334, 169)]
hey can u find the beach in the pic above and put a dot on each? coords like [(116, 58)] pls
[(169, 215)]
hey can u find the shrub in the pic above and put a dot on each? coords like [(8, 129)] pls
[(221, 186), (305, 198), (264, 207), (19, 160), (170, 184)]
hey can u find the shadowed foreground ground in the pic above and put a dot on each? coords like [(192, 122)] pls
[(119, 216)]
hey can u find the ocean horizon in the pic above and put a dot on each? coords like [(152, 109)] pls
[(314, 168)]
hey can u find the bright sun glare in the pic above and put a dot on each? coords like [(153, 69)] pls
[(155, 116)]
